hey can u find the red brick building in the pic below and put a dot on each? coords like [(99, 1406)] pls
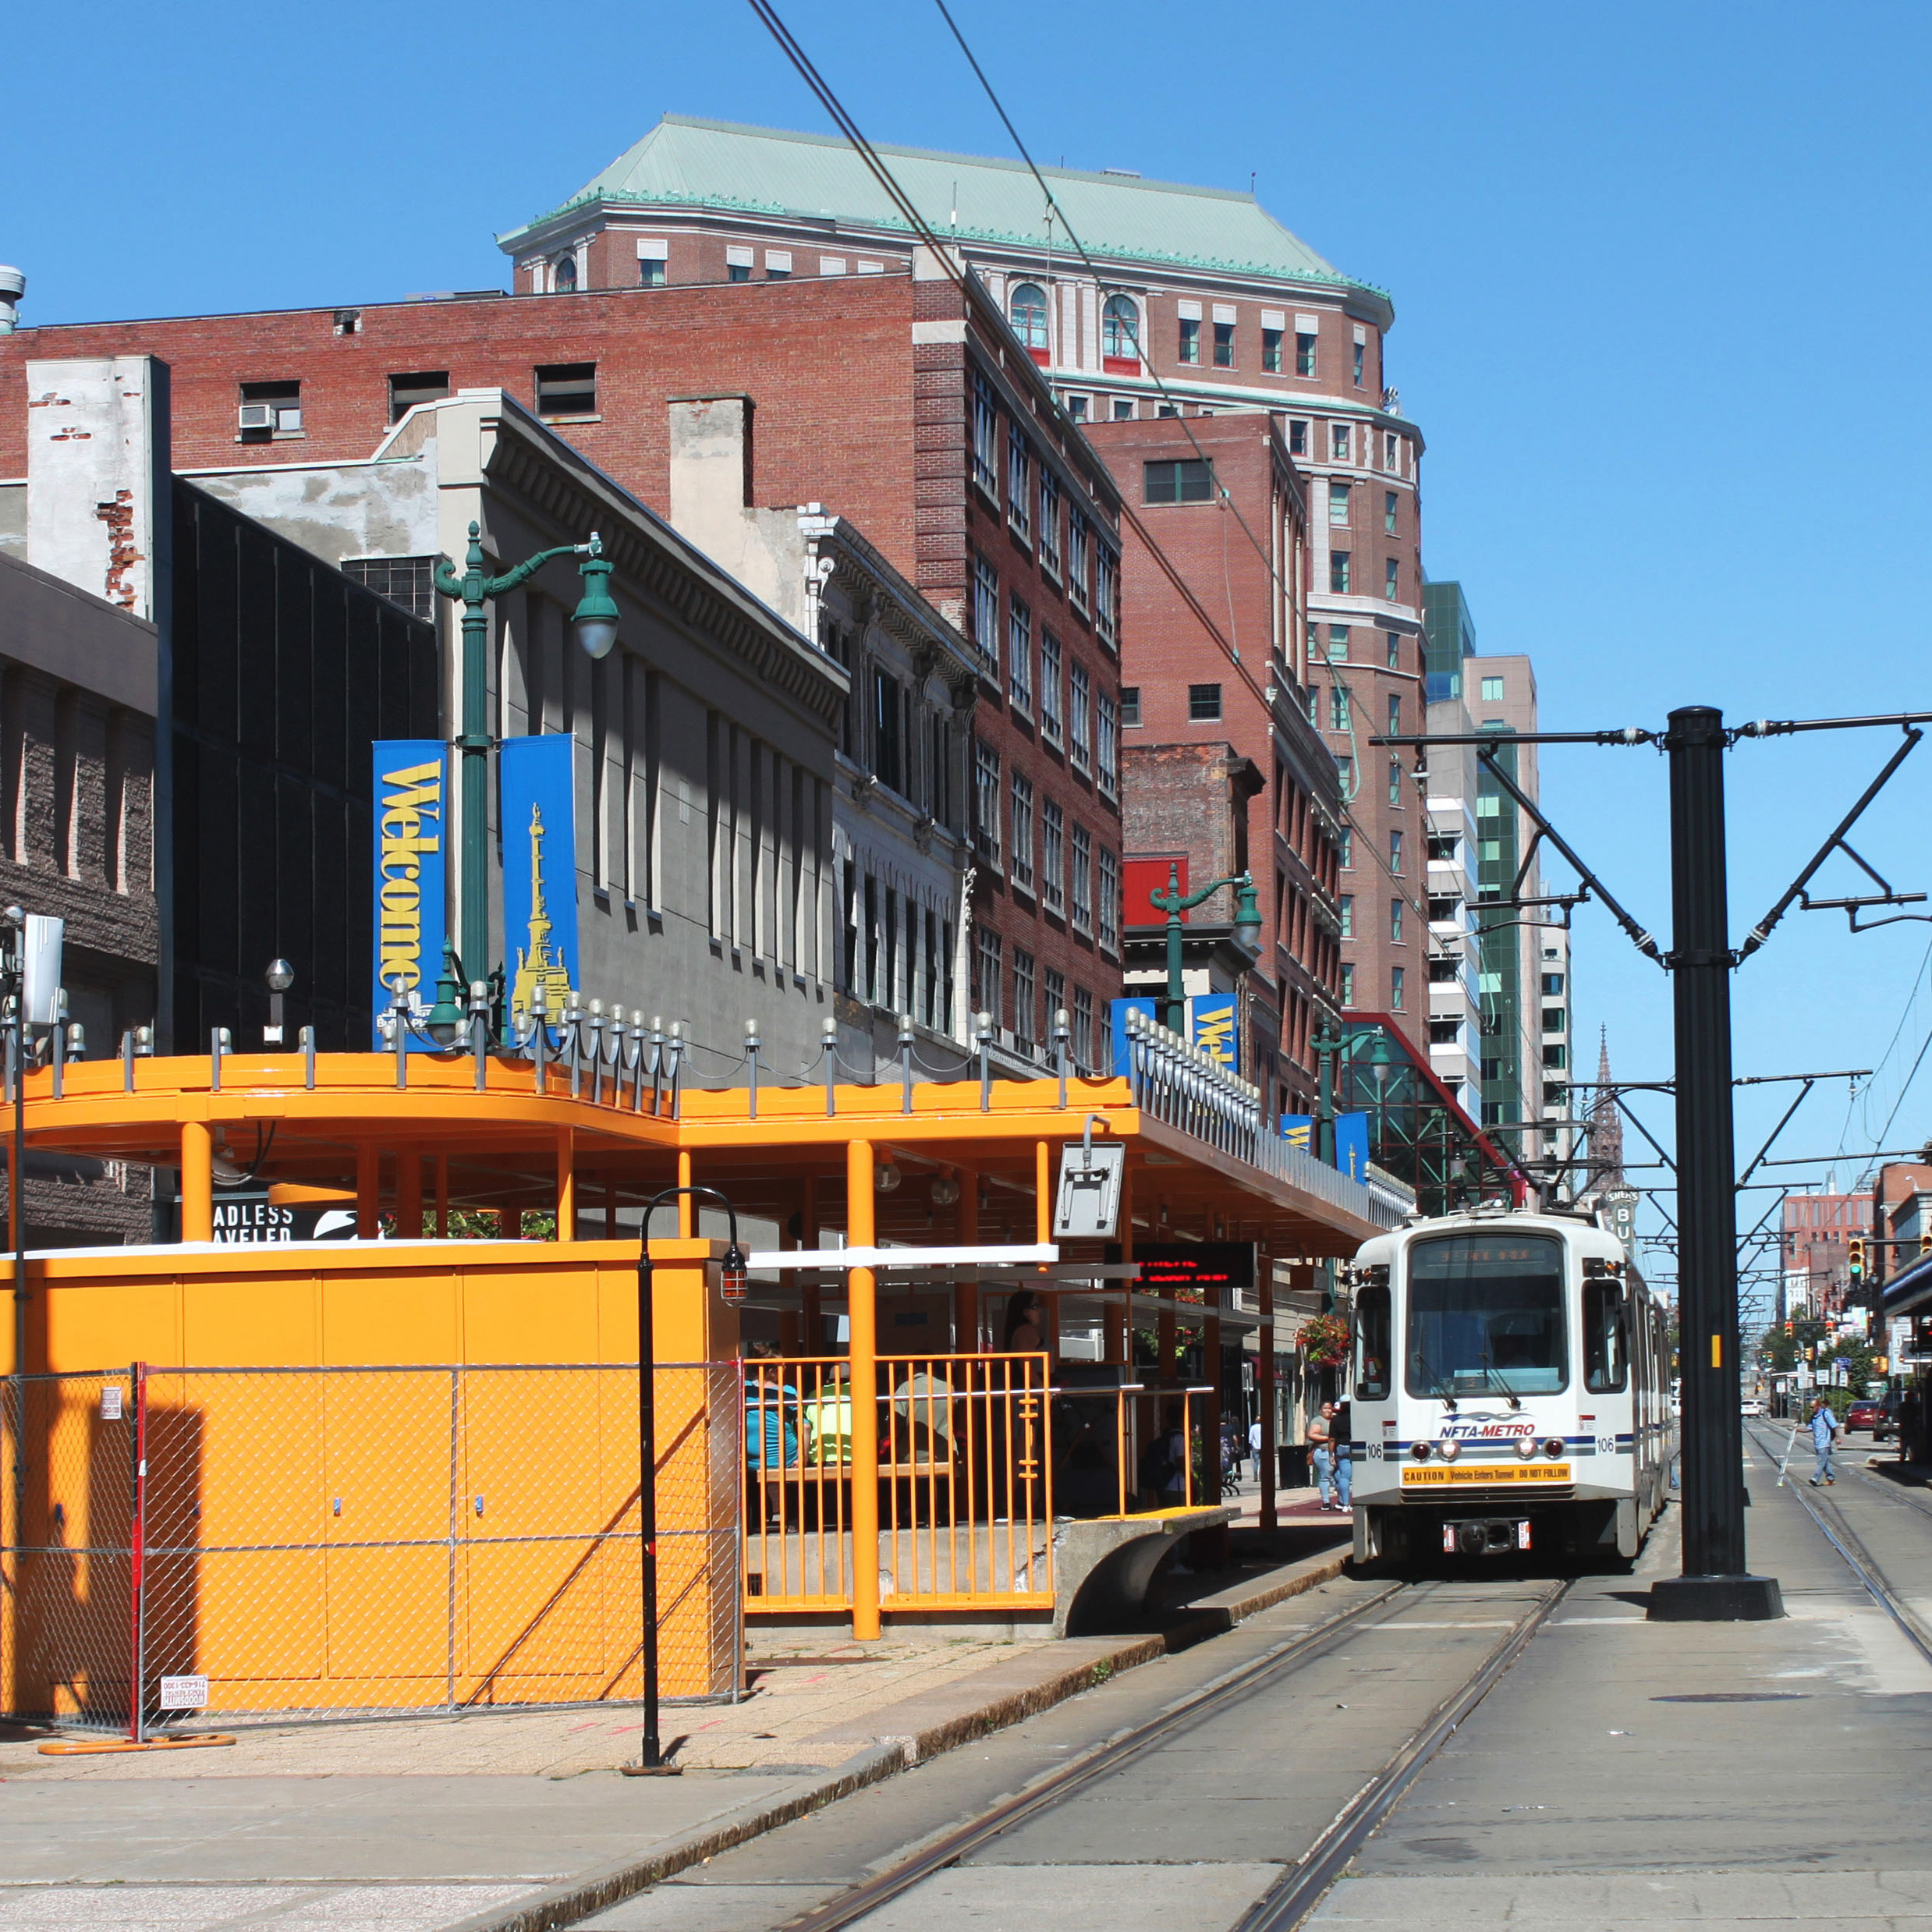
[(901, 401), (1221, 667)]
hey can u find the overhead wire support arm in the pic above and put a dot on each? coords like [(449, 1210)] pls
[(1783, 1120), (1763, 930), (1637, 936)]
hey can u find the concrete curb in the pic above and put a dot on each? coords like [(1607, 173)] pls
[(575, 1898)]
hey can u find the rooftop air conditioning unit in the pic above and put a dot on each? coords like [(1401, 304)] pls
[(257, 415)]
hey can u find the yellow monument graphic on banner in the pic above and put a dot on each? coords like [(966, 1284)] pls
[(538, 965)]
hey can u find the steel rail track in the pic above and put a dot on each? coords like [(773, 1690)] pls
[(1296, 1893), (1859, 1560), (1291, 1898)]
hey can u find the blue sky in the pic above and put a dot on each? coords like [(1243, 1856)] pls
[(1660, 274)]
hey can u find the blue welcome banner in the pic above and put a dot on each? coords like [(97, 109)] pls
[(1299, 1131), (1351, 1145), (409, 860), (537, 778), (1211, 1026)]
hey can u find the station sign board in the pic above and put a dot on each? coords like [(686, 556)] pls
[(1216, 1269)]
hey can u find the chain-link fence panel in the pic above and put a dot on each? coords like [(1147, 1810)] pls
[(331, 1543), (69, 1465)]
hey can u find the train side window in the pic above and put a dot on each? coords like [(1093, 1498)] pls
[(1606, 1358), (1371, 1343)]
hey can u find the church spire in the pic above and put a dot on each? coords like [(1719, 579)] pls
[(1606, 1128)]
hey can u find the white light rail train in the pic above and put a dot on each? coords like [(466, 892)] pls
[(1511, 1391)]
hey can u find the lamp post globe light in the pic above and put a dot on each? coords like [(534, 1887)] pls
[(595, 622), (1173, 903)]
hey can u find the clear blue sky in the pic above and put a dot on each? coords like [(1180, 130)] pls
[(1660, 275)]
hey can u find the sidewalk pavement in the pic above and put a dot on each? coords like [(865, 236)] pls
[(515, 1821)]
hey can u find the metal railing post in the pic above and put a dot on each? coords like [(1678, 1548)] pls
[(828, 1049)]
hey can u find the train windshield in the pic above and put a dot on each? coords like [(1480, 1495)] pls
[(1486, 1316)]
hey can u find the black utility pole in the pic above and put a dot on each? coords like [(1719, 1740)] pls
[(1714, 1586)]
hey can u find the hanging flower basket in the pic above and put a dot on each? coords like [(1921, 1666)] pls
[(1324, 1340)]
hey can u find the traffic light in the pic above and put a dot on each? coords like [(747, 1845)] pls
[(1881, 1365), (1855, 1257), (1791, 1327), (1925, 1244)]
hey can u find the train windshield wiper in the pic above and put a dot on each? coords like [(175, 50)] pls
[(1434, 1376), (1496, 1375)]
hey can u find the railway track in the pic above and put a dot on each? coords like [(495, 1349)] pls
[(1838, 1531), (1301, 1887)]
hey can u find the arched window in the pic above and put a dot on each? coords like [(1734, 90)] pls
[(1120, 328), (1029, 314), (563, 279)]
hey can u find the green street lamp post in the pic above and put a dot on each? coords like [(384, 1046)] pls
[(1325, 1044), (594, 620), (1173, 903)]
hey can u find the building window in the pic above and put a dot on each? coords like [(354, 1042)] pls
[(1345, 770), (270, 410), (1109, 901), (1345, 850), (1392, 578), (738, 270), (1076, 408), (1443, 847), (1338, 708), (888, 710), (1552, 986), (1338, 442), (563, 275), (1019, 653), (985, 438), (425, 385), (1078, 548), (1395, 650), (1442, 973), (1106, 591), (1025, 1033), (987, 955), (1123, 409), (1018, 480), (778, 264), (1346, 903), (1120, 331), (1395, 781), (1107, 744), (1224, 345), (1338, 572), (1395, 922), (1391, 450), (986, 802), (986, 613), (1338, 505), (1081, 846), (1203, 704), (1079, 714), (1361, 351), (1389, 503), (1444, 1033), (567, 388), (1130, 704), (652, 271), (1050, 713), (1314, 705), (1272, 351), (1028, 308), (1297, 436), (1553, 1019), (1049, 532), (1556, 1057), (1395, 715), (1186, 481), (1304, 353), (1052, 856), (1338, 643), (1020, 855), (1083, 1042), (1348, 983), (1492, 689), (1395, 852), (1191, 349)]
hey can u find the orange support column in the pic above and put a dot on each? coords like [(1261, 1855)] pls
[(861, 1290), (687, 1217), (566, 1185), (368, 1191), (198, 1181)]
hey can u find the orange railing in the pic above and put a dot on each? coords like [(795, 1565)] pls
[(976, 1455)]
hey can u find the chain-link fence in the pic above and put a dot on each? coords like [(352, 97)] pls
[(310, 1543)]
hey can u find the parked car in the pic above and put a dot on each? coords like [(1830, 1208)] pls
[(1863, 1415), (1751, 1405), (1886, 1428)]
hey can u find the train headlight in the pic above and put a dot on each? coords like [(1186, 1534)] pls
[(1554, 1447), (1421, 1451), (1449, 1450), (1526, 1448)]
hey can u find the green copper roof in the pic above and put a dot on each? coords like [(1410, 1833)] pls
[(685, 162)]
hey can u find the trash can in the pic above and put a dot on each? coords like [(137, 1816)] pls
[(1295, 1472)]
